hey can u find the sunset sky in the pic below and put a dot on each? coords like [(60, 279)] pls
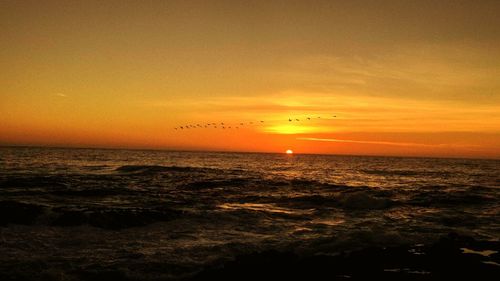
[(403, 77)]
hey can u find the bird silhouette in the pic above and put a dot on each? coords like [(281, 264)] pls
[(308, 118), (297, 120), (289, 120)]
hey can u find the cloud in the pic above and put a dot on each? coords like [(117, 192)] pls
[(436, 72), (61, 95), (406, 144), (354, 113)]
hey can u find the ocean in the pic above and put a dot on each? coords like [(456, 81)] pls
[(163, 214)]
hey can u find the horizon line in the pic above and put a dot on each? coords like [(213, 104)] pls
[(495, 158)]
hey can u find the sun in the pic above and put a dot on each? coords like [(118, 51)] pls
[(289, 151)]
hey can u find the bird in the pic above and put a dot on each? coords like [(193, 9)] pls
[(319, 117), (241, 124), (308, 118), (261, 121), (175, 128), (334, 115), (289, 120), (297, 120)]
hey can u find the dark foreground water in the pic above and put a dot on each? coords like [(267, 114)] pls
[(80, 213)]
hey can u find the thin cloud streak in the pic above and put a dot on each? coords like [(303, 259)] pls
[(387, 143)]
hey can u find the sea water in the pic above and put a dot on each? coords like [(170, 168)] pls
[(171, 213)]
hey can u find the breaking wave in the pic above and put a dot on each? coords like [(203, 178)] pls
[(12, 212)]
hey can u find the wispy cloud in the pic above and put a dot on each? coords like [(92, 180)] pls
[(434, 72), (354, 113), (61, 95), (387, 143)]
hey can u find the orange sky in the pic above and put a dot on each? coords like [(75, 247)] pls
[(403, 77)]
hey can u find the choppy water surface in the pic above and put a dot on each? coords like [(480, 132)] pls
[(177, 211)]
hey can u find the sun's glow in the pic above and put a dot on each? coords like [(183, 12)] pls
[(289, 151), (290, 129)]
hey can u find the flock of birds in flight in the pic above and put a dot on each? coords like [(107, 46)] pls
[(223, 125)]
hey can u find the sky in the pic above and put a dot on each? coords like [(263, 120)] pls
[(406, 78)]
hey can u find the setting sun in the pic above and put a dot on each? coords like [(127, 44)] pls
[(289, 151)]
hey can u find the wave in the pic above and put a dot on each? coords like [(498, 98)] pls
[(364, 201), (28, 181), (12, 212), (410, 173), (113, 218), (265, 208), (153, 169), (216, 183), (95, 192), (454, 198), (351, 200), (256, 182)]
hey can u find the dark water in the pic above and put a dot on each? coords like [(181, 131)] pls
[(171, 213)]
